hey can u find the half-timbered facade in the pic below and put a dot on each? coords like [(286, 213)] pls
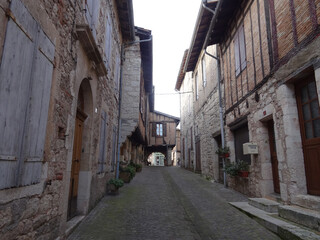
[(162, 134), (270, 66)]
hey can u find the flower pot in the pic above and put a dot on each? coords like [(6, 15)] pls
[(112, 189), (244, 174), (125, 176), (224, 155)]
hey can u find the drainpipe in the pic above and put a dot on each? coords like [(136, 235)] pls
[(120, 97), (219, 88)]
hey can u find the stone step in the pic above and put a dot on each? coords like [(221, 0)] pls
[(306, 217), (264, 204), (284, 229), (274, 197)]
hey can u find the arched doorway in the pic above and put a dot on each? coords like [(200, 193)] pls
[(80, 159), (156, 159)]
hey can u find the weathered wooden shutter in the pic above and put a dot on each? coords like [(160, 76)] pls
[(164, 129), (114, 149), (88, 10), (108, 42), (154, 129), (242, 45), (95, 17), (25, 83), (237, 53), (102, 148), (117, 69)]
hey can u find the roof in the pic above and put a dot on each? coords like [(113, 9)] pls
[(146, 49), (199, 35), (182, 73), (176, 119), (225, 10), (146, 57), (125, 10)]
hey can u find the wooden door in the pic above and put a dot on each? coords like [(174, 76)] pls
[(274, 159), (309, 117), (75, 168), (198, 157)]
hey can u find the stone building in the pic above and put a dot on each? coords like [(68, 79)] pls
[(200, 125), (176, 151), (137, 98), (269, 55), (162, 135), (60, 74)]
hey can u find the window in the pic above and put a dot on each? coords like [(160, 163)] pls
[(92, 8), (27, 71), (196, 86), (241, 136), (108, 43), (102, 148), (204, 75), (159, 129), (240, 51)]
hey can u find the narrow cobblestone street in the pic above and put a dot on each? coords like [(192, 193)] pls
[(170, 203)]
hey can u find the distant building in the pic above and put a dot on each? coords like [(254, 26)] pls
[(162, 134)]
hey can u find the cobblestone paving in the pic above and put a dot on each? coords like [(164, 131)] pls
[(170, 203)]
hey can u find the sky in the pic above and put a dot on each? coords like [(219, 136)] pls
[(172, 23)]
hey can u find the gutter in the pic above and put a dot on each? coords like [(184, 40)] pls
[(204, 47)]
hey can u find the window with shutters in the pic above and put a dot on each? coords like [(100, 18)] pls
[(25, 82), (92, 10), (103, 141), (204, 75), (114, 149), (117, 70), (191, 136), (240, 51), (159, 130), (108, 43)]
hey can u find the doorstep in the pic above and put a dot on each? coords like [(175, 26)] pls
[(72, 224), (285, 229)]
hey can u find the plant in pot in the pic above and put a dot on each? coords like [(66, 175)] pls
[(232, 169), (223, 152), (243, 168), (113, 186), (138, 167)]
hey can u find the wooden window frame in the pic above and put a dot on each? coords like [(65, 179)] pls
[(240, 51), (159, 130)]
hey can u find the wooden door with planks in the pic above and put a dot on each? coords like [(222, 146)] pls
[(274, 159), (75, 167)]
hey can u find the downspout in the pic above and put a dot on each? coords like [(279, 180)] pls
[(120, 97), (219, 85)]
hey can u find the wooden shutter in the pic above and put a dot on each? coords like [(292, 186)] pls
[(237, 53), (114, 149), (154, 129), (89, 12), (164, 129), (108, 42), (242, 45), (191, 136), (25, 83), (102, 148), (95, 17)]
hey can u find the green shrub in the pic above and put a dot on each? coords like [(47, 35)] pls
[(232, 169), (116, 182)]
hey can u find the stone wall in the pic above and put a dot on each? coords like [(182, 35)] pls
[(40, 211)]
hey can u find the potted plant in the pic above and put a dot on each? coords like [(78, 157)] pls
[(243, 168), (223, 152), (138, 167), (232, 169), (113, 186), (127, 173)]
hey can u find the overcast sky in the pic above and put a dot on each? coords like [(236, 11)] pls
[(172, 24)]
